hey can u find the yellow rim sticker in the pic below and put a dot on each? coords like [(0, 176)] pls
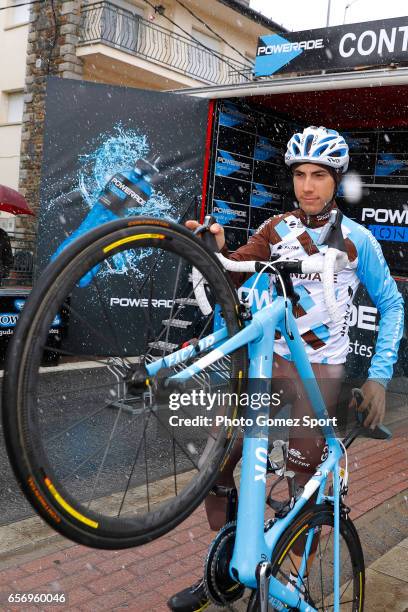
[(132, 239), (360, 607), (68, 508), (295, 537)]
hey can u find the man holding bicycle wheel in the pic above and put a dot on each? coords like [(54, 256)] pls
[(317, 158)]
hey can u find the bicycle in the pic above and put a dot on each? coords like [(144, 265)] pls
[(77, 434)]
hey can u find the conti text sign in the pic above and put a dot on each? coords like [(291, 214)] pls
[(375, 43)]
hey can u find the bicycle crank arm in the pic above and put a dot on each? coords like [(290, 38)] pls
[(263, 574)]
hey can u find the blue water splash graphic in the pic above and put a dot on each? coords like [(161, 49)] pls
[(111, 153)]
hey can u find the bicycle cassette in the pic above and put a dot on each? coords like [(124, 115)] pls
[(220, 587)]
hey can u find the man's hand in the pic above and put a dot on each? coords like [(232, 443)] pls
[(215, 229), (374, 402)]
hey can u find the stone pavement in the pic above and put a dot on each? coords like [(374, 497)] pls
[(34, 559)]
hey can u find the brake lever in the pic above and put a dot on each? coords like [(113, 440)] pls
[(381, 432)]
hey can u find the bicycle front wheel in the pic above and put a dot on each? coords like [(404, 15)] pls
[(316, 586), (91, 440)]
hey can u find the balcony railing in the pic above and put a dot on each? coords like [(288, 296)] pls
[(106, 23)]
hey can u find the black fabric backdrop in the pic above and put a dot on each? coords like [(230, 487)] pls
[(93, 131)]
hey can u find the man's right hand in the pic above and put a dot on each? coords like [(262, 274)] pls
[(215, 229)]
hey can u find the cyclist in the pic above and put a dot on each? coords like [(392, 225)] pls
[(317, 158)]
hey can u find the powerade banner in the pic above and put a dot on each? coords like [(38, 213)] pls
[(105, 131), (375, 43), (10, 310), (384, 211), (364, 321), (248, 179), (380, 160), (380, 156)]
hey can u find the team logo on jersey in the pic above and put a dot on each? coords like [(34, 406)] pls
[(287, 247)]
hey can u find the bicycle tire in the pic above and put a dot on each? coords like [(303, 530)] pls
[(25, 424), (319, 593)]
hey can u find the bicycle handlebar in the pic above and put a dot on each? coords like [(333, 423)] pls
[(326, 264), (313, 264), (333, 260)]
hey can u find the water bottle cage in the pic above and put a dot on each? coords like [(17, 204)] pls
[(282, 508), (277, 467)]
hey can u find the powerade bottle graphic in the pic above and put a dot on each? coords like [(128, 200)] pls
[(128, 189)]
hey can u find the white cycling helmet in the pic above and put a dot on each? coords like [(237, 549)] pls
[(320, 146)]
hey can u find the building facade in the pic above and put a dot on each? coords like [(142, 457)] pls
[(14, 26), (174, 44)]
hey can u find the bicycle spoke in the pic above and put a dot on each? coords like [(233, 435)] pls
[(134, 465), (82, 420), (349, 601), (146, 469), (66, 392), (113, 332), (344, 590), (82, 464), (86, 323), (296, 572), (172, 304), (177, 443), (321, 574), (105, 454), (174, 466)]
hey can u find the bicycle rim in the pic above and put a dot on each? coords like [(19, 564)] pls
[(317, 585), (92, 449)]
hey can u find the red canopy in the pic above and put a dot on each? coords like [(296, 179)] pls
[(13, 202)]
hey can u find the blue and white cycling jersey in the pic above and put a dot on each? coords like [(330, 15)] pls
[(326, 341)]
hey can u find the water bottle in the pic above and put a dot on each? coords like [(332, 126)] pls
[(128, 189)]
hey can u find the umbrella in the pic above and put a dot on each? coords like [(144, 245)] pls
[(13, 202)]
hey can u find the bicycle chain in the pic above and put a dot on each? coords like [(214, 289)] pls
[(214, 594)]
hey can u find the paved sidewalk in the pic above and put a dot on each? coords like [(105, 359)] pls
[(34, 559)]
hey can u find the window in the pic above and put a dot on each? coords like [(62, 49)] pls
[(18, 14), (208, 41), (15, 103)]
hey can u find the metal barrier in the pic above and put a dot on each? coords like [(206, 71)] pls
[(23, 245), (107, 23)]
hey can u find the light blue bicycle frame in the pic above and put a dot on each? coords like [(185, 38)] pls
[(252, 544)]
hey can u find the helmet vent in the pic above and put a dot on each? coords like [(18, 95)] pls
[(308, 142)]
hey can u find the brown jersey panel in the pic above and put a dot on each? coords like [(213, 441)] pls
[(308, 244), (351, 249), (298, 311), (312, 340)]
